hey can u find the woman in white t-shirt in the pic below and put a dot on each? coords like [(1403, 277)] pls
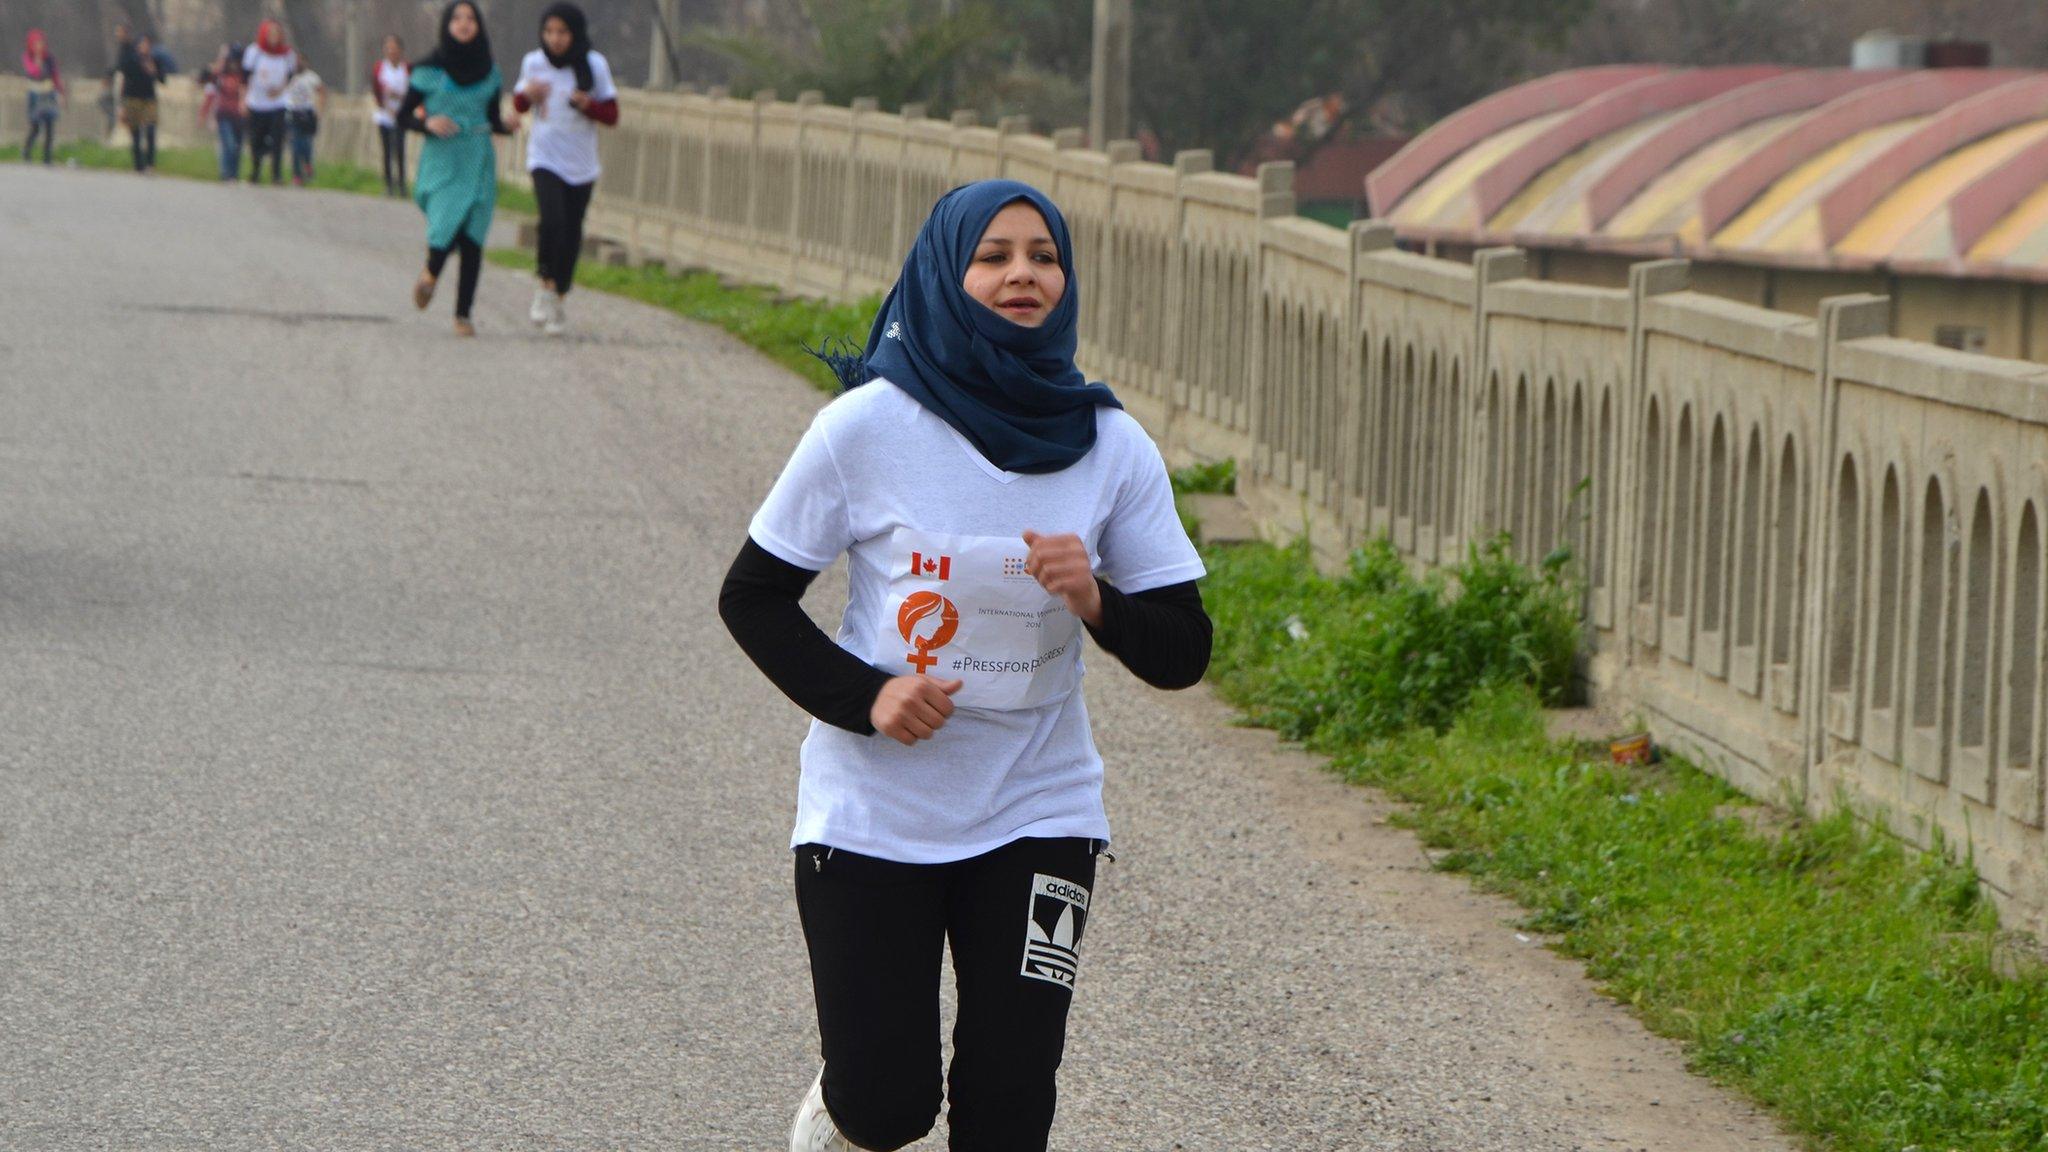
[(388, 82), (267, 67), (568, 86), (992, 504)]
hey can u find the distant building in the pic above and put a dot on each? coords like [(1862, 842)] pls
[(1783, 185), (1331, 157)]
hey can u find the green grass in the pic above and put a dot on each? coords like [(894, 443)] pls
[(1851, 986), (1218, 477), (1373, 652), (201, 164), (781, 328)]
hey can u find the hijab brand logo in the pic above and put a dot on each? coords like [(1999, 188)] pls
[(923, 565), (919, 607)]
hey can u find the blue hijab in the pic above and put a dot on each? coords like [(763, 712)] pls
[(1012, 391)]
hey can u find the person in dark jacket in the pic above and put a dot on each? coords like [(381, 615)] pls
[(139, 72)]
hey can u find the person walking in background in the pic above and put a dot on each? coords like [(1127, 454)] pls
[(224, 106), (453, 98), (388, 82), (568, 85), (138, 72), (305, 102), (993, 503), (268, 65), (46, 95)]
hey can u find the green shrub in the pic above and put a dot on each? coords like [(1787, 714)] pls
[(1217, 477), (1376, 651)]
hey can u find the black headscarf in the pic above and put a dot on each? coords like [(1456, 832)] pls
[(578, 55), (464, 63)]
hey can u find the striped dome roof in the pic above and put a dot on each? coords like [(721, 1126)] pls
[(1942, 171)]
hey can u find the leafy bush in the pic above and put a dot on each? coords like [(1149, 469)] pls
[(1377, 651), (1218, 477)]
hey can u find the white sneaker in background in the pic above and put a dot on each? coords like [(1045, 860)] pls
[(543, 309), (558, 316), (814, 1130)]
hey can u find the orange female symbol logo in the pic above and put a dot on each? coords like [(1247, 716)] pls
[(917, 608)]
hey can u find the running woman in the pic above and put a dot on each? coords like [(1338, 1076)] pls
[(388, 82), (453, 98), (268, 65), (46, 96), (568, 86), (993, 503)]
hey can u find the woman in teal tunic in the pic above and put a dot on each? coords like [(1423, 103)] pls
[(453, 99)]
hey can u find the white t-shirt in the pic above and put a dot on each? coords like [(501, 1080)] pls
[(877, 473), (392, 80), (559, 138), (303, 93), (268, 77)]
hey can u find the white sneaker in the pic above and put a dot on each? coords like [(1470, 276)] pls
[(814, 1130), (543, 309), (558, 317)]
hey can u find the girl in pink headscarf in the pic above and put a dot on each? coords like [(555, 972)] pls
[(45, 93)]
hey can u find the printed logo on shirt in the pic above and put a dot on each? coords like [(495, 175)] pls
[(1013, 568), (940, 567), (1052, 931), (895, 331), (918, 609)]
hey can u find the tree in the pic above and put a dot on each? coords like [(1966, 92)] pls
[(1215, 73), (960, 55)]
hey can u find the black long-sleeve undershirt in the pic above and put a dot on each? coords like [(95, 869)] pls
[(760, 604), (411, 121), (1161, 634)]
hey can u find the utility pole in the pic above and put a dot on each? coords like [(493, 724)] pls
[(661, 72), (352, 46), (1109, 87)]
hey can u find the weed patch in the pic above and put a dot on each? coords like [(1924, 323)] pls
[(1217, 477), (1369, 654)]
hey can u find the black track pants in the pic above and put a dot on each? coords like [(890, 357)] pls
[(562, 207), (472, 255), (876, 930), (266, 138), (393, 139)]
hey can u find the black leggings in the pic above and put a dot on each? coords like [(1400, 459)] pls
[(472, 267), (266, 138), (876, 930), (142, 143), (562, 206), (48, 128), (394, 157)]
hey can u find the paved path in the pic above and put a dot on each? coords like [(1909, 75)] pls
[(374, 772)]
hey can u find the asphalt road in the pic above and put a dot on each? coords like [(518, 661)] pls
[(375, 772)]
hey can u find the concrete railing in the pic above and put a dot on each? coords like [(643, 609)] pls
[(1814, 555)]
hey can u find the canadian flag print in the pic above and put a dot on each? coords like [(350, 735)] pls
[(936, 567)]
